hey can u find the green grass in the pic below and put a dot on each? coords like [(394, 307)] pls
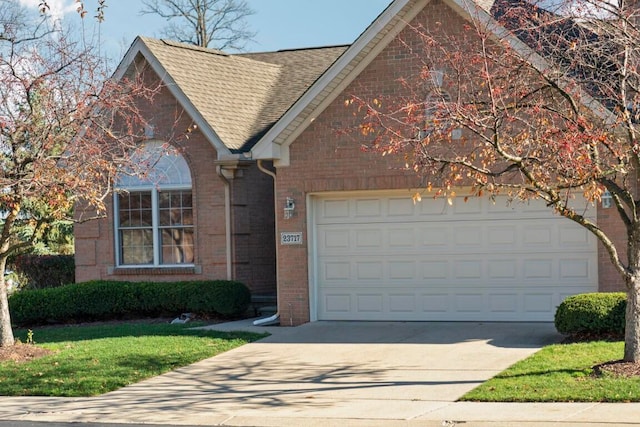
[(561, 373), (92, 360)]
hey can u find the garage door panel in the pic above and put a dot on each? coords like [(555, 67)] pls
[(573, 269), (435, 303), (366, 208), (465, 270), (335, 209), (503, 303), (366, 238), (402, 237), (402, 208), (387, 258), (369, 303), (434, 238), (337, 304), (539, 303), (502, 236), (473, 206), (337, 271), (435, 270), (334, 240), (467, 236), (499, 269), (402, 303), (538, 236), (366, 272), (443, 305), (448, 236), (570, 237)]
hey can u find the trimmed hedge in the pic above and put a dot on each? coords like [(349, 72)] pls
[(103, 300), (594, 313)]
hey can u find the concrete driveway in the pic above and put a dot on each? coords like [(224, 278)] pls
[(323, 370)]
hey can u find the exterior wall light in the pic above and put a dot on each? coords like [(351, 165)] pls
[(606, 199), (289, 208)]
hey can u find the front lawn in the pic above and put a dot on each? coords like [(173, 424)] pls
[(561, 373), (92, 360)]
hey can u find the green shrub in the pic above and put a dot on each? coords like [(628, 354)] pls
[(594, 313), (44, 271), (103, 300)]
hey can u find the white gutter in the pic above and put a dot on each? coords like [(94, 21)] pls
[(275, 319), (227, 219)]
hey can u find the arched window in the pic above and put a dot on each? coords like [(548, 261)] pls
[(154, 213)]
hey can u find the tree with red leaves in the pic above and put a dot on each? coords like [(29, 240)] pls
[(66, 130), (530, 103)]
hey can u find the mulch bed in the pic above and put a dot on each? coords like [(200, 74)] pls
[(22, 352), (618, 368)]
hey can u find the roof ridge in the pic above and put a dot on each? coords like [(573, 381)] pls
[(182, 45), (295, 49), (188, 46)]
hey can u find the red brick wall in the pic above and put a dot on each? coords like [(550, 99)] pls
[(325, 158), (608, 277), (252, 207)]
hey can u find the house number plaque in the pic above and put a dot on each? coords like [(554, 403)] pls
[(290, 238)]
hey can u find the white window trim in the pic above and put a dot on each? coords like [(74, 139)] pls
[(155, 228), (155, 189)]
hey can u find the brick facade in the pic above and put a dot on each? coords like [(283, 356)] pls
[(324, 158), (253, 258)]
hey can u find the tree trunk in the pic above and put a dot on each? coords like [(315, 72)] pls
[(6, 333), (632, 281), (632, 320)]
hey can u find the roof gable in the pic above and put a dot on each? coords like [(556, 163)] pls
[(275, 143), (234, 99)]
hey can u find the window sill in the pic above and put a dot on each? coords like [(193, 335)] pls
[(155, 271)]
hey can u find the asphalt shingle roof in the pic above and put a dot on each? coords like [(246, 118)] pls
[(241, 95)]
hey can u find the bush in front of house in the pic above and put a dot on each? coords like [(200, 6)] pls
[(592, 314), (44, 271), (106, 300)]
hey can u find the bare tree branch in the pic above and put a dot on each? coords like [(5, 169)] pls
[(219, 24)]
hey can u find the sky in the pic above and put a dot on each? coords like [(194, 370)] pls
[(280, 24)]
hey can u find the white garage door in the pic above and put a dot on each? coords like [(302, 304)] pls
[(386, 258)]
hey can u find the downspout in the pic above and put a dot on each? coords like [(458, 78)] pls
[(275, 319), (227, 220)]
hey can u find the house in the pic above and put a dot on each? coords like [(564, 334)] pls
[(211, 215), (348, 242)]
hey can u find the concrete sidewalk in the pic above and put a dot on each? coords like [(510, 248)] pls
[(338, 374)]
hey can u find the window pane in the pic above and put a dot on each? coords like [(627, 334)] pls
[(135, 209), (164, 200), (161, 164), (136, 246), (187, 216), (177, 246), (175, 208)]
